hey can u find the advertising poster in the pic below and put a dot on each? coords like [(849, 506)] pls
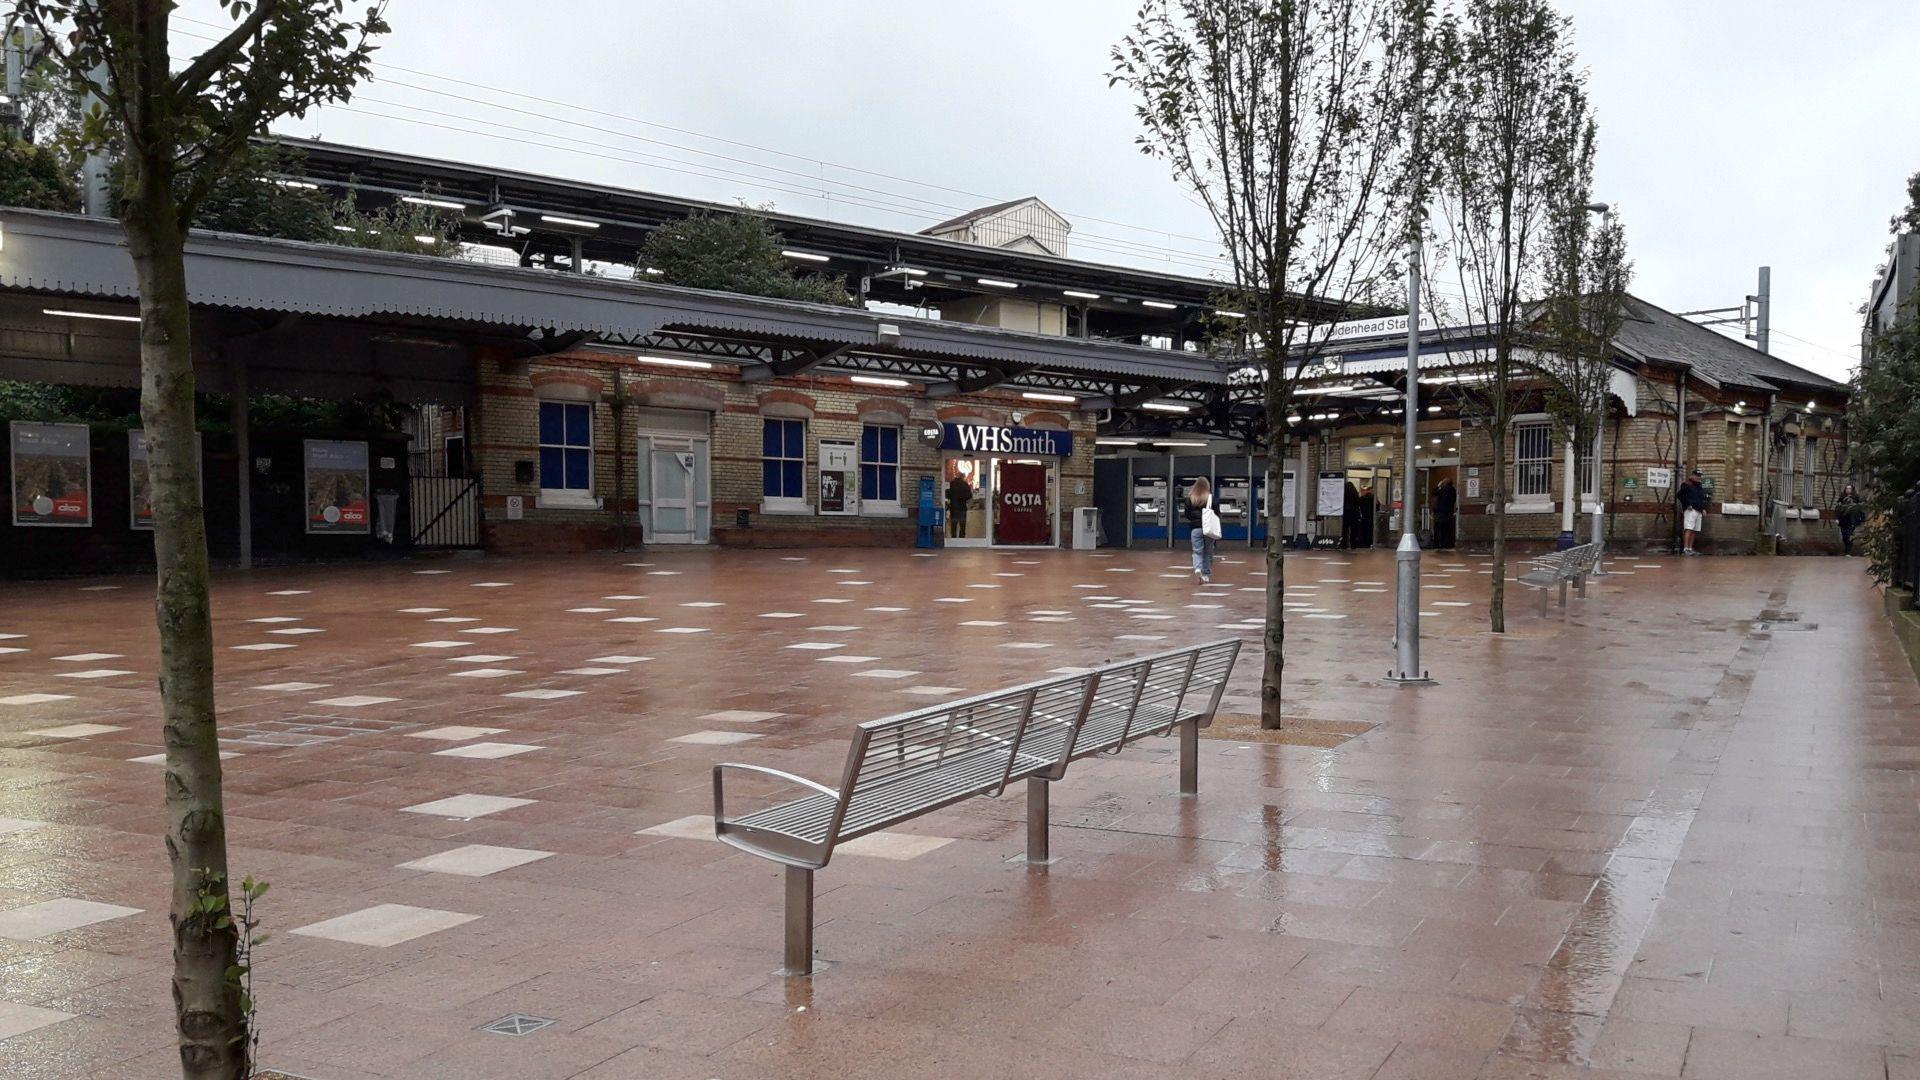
[(337, 499), (1286, 496), (139, 487), (52, 474)]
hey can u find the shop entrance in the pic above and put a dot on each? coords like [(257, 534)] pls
[(1023, 507), (1438, 523), (966, 486)]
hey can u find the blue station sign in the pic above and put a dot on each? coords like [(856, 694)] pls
[(996, 439)]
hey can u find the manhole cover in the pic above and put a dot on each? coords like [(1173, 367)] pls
[(517, 1024)]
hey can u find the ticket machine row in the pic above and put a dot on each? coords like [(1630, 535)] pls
[(1241, 504)]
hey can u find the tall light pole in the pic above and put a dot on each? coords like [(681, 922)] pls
[(1600, 489), (1406, 601)]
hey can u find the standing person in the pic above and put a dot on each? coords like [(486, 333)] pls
[(959, 494), (1849, 510), (1349, 516), (1369, 508), (1446, 500), (1693, 510), (1198, 512)]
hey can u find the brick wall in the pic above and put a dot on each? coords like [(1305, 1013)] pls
[(506, 432)]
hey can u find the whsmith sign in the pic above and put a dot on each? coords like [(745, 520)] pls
[(990, 439)]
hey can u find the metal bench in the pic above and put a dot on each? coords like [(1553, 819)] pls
[(901, 767), (1562, 568)]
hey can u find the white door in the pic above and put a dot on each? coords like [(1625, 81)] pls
[(675, 492)]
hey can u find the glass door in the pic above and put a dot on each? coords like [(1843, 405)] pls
[(967, 488), (674, 490)]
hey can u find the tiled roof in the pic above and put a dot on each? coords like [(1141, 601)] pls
[(1658, 334)]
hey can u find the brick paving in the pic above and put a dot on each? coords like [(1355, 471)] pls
[(1636, 838)]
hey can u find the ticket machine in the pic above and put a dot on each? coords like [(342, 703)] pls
[(1233, 500), (1181, 529), (1150, 508)]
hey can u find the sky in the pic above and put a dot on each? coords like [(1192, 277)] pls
[(1734, 133)]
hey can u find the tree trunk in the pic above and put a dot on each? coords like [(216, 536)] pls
[(212, 1025), (1497, 604), (1273, 660)]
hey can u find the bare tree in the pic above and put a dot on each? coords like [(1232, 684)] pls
[(1587, 273), (1514, 110), (1287, 120), (177, 132)]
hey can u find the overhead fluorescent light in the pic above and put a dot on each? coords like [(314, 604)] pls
[(555, 219), (996, 283), (1294, 419), (1433, 408), (675, 361), (301, 184), (1229, 314), (1177, 442), (875, 380), (1080, 294), (440, 204), (1116, 442), (1163, 406), (1161, 304), (67, 314), (910, 271), (425, 238), (1034, 395), (804, 256), (345, 228)]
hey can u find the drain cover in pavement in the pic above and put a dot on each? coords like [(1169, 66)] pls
[(517, 1024)]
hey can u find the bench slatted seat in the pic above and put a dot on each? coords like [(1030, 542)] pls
[(917, 762), (1562, 568)]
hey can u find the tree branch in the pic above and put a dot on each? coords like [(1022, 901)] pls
[(190, 82)]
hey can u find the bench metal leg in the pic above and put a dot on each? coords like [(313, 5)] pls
[(1039, 791), (1563, 592), (1580, 586), (799, 957), (1190, 758)]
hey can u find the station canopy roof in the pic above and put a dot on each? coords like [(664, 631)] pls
[(325, 320)]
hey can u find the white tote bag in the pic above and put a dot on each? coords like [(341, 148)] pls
[(1209, 523)]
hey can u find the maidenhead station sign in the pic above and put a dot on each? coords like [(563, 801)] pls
[(994, 439)]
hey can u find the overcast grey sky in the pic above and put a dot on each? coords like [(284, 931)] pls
[(1734, 132)]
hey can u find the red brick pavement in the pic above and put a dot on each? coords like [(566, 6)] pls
[(1630, 839)]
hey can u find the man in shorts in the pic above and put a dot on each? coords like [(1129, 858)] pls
[(1693, 510)]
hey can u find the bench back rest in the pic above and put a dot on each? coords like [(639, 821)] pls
[(1210, 673), (987, 732)]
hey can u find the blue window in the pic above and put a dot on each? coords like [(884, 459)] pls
[(566, 446), (783, 449), (879, 464)]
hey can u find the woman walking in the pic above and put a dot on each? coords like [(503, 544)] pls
[(1199, 514)]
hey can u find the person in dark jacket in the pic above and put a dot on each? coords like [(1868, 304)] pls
[(959, 494), (1446, 501), (1849, 510), (1693, 510), (1369, 506), (1349, 516)]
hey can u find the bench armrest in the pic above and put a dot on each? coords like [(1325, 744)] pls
[(719, 793)]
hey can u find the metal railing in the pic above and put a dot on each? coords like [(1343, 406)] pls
[(1906, 542), (445, 511)]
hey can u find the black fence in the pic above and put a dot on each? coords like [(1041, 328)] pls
[(445, 512), (1906, 542)]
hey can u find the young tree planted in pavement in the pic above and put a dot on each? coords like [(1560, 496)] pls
[(1586, 278), (178, 129), (1513, 113), (1286, 118)]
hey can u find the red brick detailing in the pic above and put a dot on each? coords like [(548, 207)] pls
[(673, 394), (591, 383), (876, 410), (787, 403), (1053, 420)]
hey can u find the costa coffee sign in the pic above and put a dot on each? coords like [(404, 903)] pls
[(993, 439)]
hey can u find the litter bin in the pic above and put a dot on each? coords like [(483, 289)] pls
[(1086, 528)]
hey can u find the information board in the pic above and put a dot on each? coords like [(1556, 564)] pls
[(52, 474), (336, 488)]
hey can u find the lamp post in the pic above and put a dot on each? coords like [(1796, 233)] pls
[(1406, 603), (1600, 489)]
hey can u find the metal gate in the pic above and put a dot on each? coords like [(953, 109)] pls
[(445, 511)]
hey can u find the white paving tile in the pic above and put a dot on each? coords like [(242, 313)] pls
[(703, 603), (930, 691), (75, 731), (17, 1019), (422, 610), (443, 644), (714, 738), (1452, 603), (486, 751), (275, 619), (844, 659), (35, 699), (818, 646), (480, 658), (49, 917), (161, 759), (88, 657), (633, 619), (1323, 615), (833, 600), (885, 673), (264, 646), (454, 619), (488, 630), (290, 592), (11, 637), (780, 615), (618, 659), (836, 628), (355, 701), (983, 622), (691, 827), (1026, 644), (486, 673), (592, 671), (491, 584), (897, 847), (588, 610), (384, 925), (12, 649), (298, 630), (739, 716), (454, 733), (887, 609), (1140, 637), (476, 860), (543, 695), (683, 630), (14, 825), (953, 599), (467, 806), (433, 571), (624, 596)]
